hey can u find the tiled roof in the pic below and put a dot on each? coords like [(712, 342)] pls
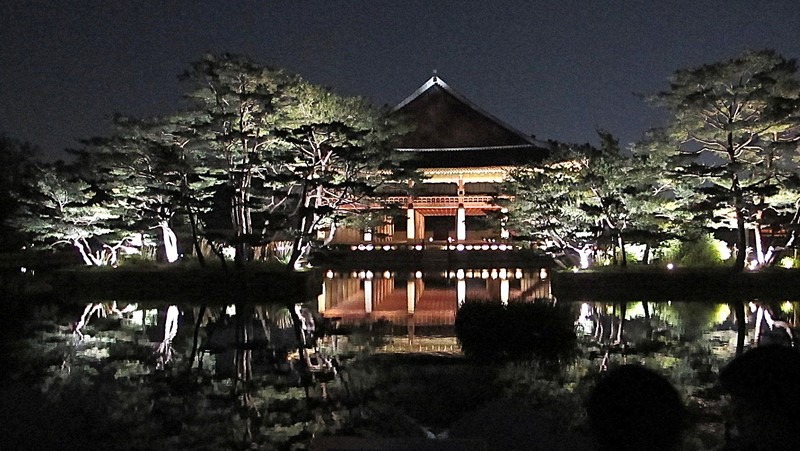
[(449, 130)]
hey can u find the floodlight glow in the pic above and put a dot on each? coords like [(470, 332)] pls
[(670, 266)]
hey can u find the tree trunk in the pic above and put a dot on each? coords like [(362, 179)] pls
[(196, 238), (170, 242), (623, 308), (622, 249)]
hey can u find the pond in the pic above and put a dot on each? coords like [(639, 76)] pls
[(137, 375)]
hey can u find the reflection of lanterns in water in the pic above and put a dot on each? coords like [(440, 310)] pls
[(387, 275), (485, 274), (460, 274), (494, 274), (518, 274), (330, 274), (418, 274), (542, 273)]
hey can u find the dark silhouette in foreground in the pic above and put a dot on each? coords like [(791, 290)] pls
[(633, 408), (764, 384)]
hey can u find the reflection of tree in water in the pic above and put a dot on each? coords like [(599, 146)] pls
[(250, 385), (164, 351), (243, 364)]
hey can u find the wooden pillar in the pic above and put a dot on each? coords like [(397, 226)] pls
[(411, 294), (461, 223), (368, 294), (411, 223)]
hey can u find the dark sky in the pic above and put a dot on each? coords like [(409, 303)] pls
[(555, 69)]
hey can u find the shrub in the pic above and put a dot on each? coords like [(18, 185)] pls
[(518, 331), (701, 252)]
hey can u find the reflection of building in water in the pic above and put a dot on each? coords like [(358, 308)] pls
[(429, 299)]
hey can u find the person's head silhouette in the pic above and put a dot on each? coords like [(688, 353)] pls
[(635, 408), (764, 384)]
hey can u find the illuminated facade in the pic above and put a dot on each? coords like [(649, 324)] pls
[(463, 153)]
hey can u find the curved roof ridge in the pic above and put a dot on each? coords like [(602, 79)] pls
[(435, 80)]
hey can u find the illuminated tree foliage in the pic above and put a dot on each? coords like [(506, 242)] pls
[(66, 210), (234, 107), (340, 154), (733, 133), (583, 195), (295, 156), (148, 167)]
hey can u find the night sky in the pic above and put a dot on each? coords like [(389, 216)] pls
[(557, 69)]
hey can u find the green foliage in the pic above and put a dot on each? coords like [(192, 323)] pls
[(518, 331), (701, 252), (585, 196), (65, 209), (731, 138)]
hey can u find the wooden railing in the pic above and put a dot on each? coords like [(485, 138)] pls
[(430, 200)]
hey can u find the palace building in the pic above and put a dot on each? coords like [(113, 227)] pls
[(463, 153)]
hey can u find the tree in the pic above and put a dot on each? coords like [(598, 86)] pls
[(234, 106), (340, 155), (67, 210), (295, 155), (731, 134), (583, 193), (150, 170), (17, 172)]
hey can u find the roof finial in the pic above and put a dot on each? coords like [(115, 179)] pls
[(435, 72)]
